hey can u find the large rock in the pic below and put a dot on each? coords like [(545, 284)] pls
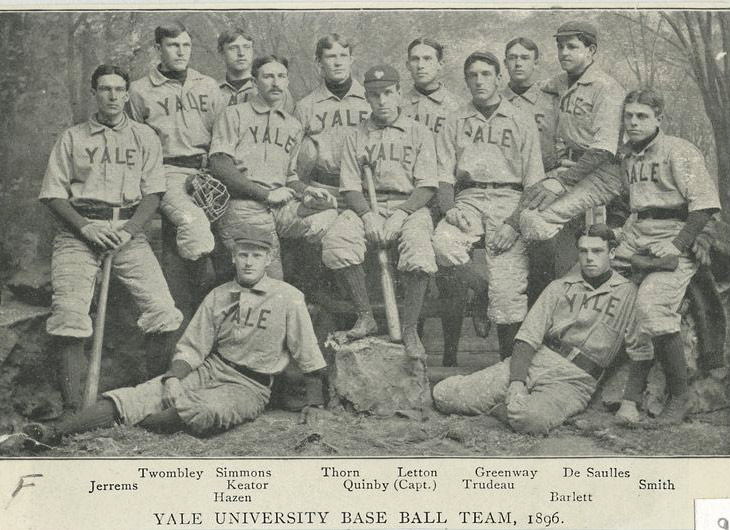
[(375, 376), (32, 284)]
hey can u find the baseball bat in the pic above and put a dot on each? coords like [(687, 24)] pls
[(92, 378), (386, 275)]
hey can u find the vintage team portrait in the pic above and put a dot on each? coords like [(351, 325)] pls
[(365, 233)]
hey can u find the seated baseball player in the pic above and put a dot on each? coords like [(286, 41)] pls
[(254, 153), (103, 183), (244, 333), (400, 154), (566, 342)]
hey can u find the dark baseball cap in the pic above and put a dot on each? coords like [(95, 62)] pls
[(578, 27), (256, 236), (381, 76)]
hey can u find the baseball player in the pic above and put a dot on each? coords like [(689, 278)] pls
[(328, 114), (522, 58), (179, 104), (104, 167), (672, 197), (401, 153), (235, 47), (489, 151), (254, 153), (244, 333), (430, 103), (570, 336), (589, 119)]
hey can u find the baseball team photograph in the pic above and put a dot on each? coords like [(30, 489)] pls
[(365, 232)]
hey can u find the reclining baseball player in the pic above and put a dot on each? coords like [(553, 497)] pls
[(244, 333), (568, 339)]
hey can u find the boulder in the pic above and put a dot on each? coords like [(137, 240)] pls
[(375, 376), (32, 284)]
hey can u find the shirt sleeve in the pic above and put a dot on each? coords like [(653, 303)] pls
[(300, 338), (226, 133), (540, 317), (135, 106), (532, 168), (607, 118), (200, 336), (59, 173), (425, 172), (291, 170), (350, 179), (692, 178), (446, 152), (153, 174)]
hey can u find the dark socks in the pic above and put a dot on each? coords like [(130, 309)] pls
[(72, 361), (668, 349), (157, 353), (354, 279), (506, 336), (636, 384), (414, 287)]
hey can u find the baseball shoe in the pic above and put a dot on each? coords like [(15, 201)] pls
[(675, 411), (412, 342), (40, 436), (627, 415), (364, 327)]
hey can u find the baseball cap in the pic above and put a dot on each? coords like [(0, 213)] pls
[(381, 76), (254, 235), (484, 56), (578, 27)]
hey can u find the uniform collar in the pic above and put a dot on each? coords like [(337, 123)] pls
[(560, 82), (575, 276), (531, 95), (261, 107), (95, 126), (438, 96), (322, 93), (264, 285), (399, 123), (628, 152), (505, 109), (244, 86), (157, 78)]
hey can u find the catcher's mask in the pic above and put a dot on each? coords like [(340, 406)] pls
[(209, 194)]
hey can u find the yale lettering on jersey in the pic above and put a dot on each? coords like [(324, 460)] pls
[(251, 317), (575, 105), (390, 152), (279, 138), (337, 118), (640, 171), (493, 135), (432, 121), (600, 303), (184, 104), (102, 155)]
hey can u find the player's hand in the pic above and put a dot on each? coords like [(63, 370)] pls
[(542, 194), (503, 239), (456, 217), (567, 162), (124, 237), (312, 415), (280, 196), (373, 227), (321, 194), (101, 235), (661, 249), (516, 389), (171, 391), (393, 224)]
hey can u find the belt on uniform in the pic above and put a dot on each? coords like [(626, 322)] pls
[(328, 179), (190, 162), (488, 186), (105, 213), (679, 214), (577, 357), (264, 379), (389, 196), (573, 154)]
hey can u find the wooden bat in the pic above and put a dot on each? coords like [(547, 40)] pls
[(386, 275), (92, 378)]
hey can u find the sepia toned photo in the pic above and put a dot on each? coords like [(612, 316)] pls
[(364, 233)]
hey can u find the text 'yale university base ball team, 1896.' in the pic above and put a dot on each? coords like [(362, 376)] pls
[(235, 166)]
